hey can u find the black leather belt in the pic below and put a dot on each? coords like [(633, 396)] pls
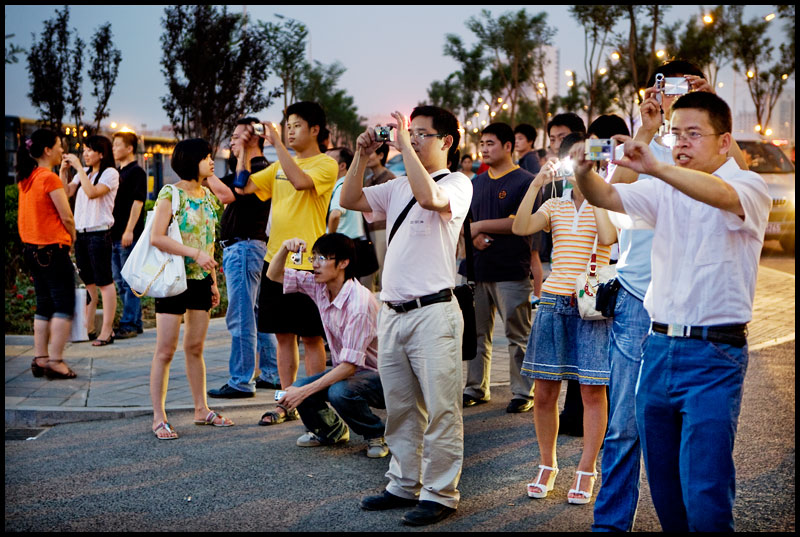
[(730, 334), (445, 295)]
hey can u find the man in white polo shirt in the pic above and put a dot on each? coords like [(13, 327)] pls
[(708, 218), (420, 325)]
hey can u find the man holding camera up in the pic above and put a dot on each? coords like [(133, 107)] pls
[(420, 325), (300, 188), (617, 501), (502, 268), (708, 218)]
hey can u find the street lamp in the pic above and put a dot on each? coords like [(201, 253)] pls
[(769, 17), (708, 19), (615, 56), (661, 53)]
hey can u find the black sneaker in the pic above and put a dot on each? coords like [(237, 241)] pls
[(517, 406), (427, 512), (226, 392), (264, 385), (125, 334), (386, 500)]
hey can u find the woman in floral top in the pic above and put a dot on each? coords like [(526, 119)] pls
[(197, 219)]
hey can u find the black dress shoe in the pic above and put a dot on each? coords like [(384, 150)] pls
[(427, 512), (264, 385), (386, 500), (472, 401), (226, 392), (517, 406)]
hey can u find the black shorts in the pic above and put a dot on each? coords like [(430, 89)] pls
[(294, 313), (196, 297), (93, 257), (53, 280)]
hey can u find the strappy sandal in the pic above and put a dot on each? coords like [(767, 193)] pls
[(36, 369), (585, 496), (103, 342), (276, 417), (171, 434), (537, 489), (57, 375), (211, 420)]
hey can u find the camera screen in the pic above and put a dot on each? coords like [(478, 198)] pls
[(600, 149)]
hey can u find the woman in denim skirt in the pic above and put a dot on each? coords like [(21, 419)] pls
[(562, 346)]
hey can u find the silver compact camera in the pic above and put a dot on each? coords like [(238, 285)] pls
[(384, 134), (279, 394), (675, 86), (258, 128), (600, 148), (297, 258), (564, 167)]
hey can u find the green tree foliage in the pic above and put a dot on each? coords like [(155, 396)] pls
[(12, 50), (48, 61), (598, 22), (105, 60), (287, 46), (319, 83), (753, 57), (215, 68), (709, 45)]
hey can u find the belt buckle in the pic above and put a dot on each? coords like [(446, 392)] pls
[(678, 330)]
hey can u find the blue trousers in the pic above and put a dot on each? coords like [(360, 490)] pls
[(687, 408), (131, 319)]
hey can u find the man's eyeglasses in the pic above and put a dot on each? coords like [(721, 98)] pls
[(320, 258), (420, 136), (672, 138)]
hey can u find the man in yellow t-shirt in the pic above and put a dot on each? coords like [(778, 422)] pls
[(300, 188)]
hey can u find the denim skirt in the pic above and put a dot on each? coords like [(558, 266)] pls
[(562, 346)]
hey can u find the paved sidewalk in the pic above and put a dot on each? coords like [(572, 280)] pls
[(113, 381)]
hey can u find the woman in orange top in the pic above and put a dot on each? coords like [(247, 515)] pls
[(47, 230)]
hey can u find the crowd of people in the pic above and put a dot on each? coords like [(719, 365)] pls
[(660, 379)]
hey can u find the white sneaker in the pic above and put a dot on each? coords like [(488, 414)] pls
[(377, 448), (311, 440)]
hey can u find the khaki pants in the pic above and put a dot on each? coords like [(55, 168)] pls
[(419, 361), (512, 300)]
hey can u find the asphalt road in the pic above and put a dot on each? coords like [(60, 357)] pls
[(115, 476)]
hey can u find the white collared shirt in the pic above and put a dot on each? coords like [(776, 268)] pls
[(422, 258), (704, 260), (90, 213)]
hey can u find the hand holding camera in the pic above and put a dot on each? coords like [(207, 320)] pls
[(298, 246)]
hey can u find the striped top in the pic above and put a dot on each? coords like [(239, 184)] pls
[(350, 321), (573, 239)]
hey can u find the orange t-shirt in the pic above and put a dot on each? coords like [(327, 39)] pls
[(38, 219)]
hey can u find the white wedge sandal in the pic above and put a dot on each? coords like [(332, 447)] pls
[(585, 496), (539, 489)]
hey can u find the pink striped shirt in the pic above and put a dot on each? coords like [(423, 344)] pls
[(573, 239), (350, 321)]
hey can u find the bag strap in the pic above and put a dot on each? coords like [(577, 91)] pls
[(468, 249), (176, 199), (407, 208)]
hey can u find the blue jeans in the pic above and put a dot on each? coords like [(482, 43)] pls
[(352, 399), (618, 498), (131, 319), (687, 409), (242, 264), (268, 356)]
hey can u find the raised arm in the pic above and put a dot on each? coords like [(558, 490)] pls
[(594, 188), (277, 266), (526, 223), (352, 194)]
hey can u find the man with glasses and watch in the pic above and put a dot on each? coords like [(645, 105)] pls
[(420, 324), (349, 314), (708, 218)]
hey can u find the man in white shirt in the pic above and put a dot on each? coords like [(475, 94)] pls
[(709, 218), (420, 325)]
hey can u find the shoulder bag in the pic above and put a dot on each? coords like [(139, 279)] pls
[(153, 272), (587, 286)]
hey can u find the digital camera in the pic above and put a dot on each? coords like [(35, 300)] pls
[(279, 394), (297, 258), (675, 86), (564, 167), (384, 134), (258, 128), (600, 148)]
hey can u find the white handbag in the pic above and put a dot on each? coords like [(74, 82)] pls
[(586, 286), (153, 272)]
